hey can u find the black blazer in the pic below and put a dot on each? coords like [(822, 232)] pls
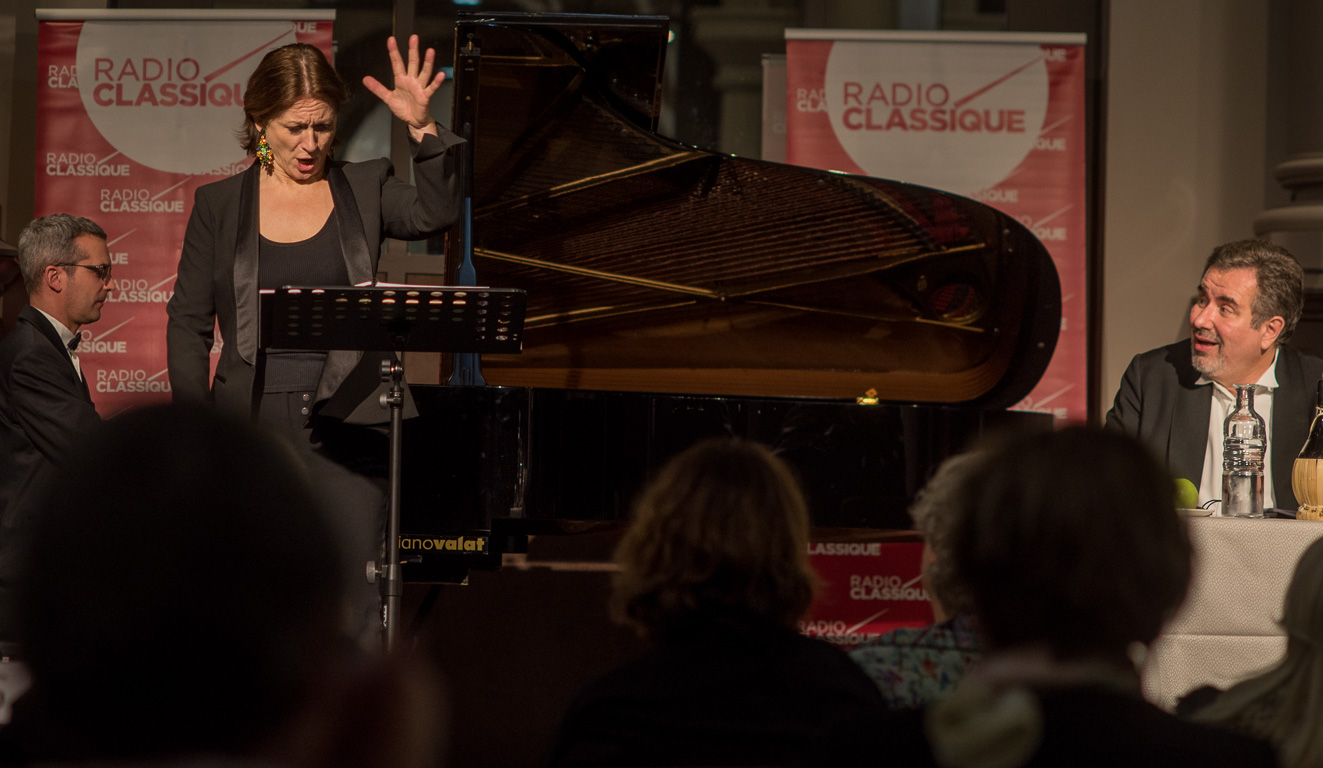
[(217, 280), (44, 405), (44, 408), (1159, 403)]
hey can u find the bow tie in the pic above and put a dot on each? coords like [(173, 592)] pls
[(73, 343)]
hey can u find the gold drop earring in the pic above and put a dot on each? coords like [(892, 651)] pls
[(264, 156)]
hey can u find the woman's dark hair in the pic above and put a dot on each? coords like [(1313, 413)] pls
[(721, 532), (1071, 541), (284, 77)]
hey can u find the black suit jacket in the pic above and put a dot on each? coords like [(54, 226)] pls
[(1159, 403), (44, 408), (217, 280)]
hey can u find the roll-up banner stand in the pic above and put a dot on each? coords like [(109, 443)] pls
[(135, 110), (997, 117)]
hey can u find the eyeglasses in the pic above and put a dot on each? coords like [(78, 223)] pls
[(102, 270)]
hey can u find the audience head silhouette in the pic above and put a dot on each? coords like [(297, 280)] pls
[(182, 592), (1284, 704), (1070, 543), (721, 533), (1302, 611), (1073, 553), (714, 573), (935, 511)]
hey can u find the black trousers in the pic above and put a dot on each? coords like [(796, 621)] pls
[(346, 470)]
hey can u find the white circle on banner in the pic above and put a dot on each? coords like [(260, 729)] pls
[(957, 117), (168, 94)]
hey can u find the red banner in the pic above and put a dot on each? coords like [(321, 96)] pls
[(995, 117), (866, 589), (133, 115)]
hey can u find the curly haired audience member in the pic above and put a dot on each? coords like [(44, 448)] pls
[(913, 667), (714, 572), (1072, 552), (1284, 704)]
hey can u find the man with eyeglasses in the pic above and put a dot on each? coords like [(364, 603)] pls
[(44, 399)]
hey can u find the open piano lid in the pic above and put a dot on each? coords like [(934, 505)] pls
[(654, 266)]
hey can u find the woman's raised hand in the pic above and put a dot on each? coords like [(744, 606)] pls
[(414, 86)]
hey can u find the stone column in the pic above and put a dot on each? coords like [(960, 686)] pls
[(851, 14), (1298, 101), (736, 35)]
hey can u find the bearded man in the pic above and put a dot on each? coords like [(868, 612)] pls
[(1176, 397)]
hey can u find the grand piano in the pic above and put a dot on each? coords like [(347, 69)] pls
[(863, 328)]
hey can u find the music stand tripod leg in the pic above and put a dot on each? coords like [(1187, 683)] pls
[(392, 583)]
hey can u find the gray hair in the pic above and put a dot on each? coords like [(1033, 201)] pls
[(48, 241), (934, 513), (1278, 275)]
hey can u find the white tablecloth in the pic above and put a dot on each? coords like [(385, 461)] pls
[(1228, 627)]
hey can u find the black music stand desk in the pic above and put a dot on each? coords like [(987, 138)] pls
[(392, 319)]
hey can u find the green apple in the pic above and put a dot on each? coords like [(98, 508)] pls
[(1187, 495)]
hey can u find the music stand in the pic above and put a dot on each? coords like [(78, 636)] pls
[(394, 319)]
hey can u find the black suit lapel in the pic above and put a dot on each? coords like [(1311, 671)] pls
[(1187, 438), (358, 262), (245, 268), (87, 393), (1189, 433), (36, 319), (353, 240), (1293, 399)]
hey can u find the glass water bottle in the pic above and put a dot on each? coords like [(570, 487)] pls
[(1243, 443)]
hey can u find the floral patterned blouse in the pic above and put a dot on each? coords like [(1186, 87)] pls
[(913, 667)]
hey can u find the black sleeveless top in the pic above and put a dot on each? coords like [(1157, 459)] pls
[(315, 261)]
